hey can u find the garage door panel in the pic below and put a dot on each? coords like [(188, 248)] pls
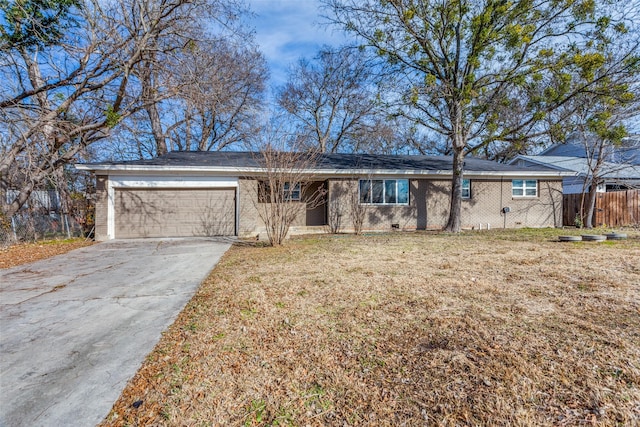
[(174, 213)]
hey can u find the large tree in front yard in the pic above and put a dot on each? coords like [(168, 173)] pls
[(462, 66)]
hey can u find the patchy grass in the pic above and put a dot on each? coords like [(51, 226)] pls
[(484, 328), (24, 253)]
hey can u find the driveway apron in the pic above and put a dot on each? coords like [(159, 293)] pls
[(75, 328)]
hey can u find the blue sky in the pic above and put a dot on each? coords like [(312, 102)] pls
[(287, 30)]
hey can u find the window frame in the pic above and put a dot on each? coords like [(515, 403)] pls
[(288, 195), (383, 183), (468, 188), (524, 187)]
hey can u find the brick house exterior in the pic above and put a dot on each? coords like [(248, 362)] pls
[(216, 193)]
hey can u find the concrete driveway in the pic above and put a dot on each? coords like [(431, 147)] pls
[(75, 328)]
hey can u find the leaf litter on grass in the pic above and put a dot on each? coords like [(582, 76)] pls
[(373, 330), (24, 253)]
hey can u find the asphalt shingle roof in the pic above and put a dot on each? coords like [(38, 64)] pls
[(235, 159), (581, 166)]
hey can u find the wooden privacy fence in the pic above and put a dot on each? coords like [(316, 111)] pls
[(613, 209)]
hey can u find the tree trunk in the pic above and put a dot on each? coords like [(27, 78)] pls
[(455, 205), (10, 209), (591, 204), (156, 129), (151, 108), (595, 158), (4, 207), (458, 145)]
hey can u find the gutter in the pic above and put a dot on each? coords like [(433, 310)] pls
[(253, 171)]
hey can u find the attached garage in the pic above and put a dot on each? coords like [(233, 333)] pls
[(158, 205), (179, 212)]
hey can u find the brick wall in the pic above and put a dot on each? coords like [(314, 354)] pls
[(488, 197), (342, 192), (429, 206), (249, 220), (101, 208), (251, 223)]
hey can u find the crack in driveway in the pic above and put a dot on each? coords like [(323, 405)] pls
[(92, 326)]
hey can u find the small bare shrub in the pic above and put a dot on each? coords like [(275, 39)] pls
[(357, 210), (280, 201)]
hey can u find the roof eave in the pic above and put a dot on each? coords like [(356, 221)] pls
[(247, 171), (543, 163)]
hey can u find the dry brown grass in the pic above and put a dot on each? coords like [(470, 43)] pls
[(24, 253), (500, 328)]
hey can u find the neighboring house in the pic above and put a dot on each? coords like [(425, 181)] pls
[(627, 152), (613, 176), (215, 193)]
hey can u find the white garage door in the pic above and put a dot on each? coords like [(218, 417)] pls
[(174, 212)]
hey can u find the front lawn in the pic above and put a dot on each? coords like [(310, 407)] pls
[(481, 328)]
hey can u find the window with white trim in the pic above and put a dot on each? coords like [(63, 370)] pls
[(292, 194), (466, 189), (524, 188), (384, 191)]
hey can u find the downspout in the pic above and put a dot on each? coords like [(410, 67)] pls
[(111, 210), (504, 215), (237, 221), (326, 203)]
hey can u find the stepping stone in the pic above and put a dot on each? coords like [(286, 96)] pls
[(616, 236), (593, 237), (570, 238)]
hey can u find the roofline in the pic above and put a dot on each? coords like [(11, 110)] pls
[(542, 163), (607, 168), (546, 150), (247, 171)]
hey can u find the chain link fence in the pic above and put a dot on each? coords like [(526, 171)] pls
[(43, 218), (31, 227)]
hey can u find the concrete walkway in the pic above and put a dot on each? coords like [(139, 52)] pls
[(75, 328)]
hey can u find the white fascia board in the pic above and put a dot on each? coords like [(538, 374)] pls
[(124, 170), (444, 173), (328, 173), (171, 181), (518, 174)]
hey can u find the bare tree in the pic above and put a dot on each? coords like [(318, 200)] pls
[(333, 100), (220, 96), (344, 204), (357, 209), (598, 117), (599, 135), (335, 214), (288, 173), (67, 91)]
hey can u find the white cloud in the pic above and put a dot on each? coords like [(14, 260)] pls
[(287, 30)]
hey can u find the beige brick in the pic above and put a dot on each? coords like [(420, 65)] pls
[(428, 207), (252, 211), (488, 197), (342, 193), (101, 208)]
